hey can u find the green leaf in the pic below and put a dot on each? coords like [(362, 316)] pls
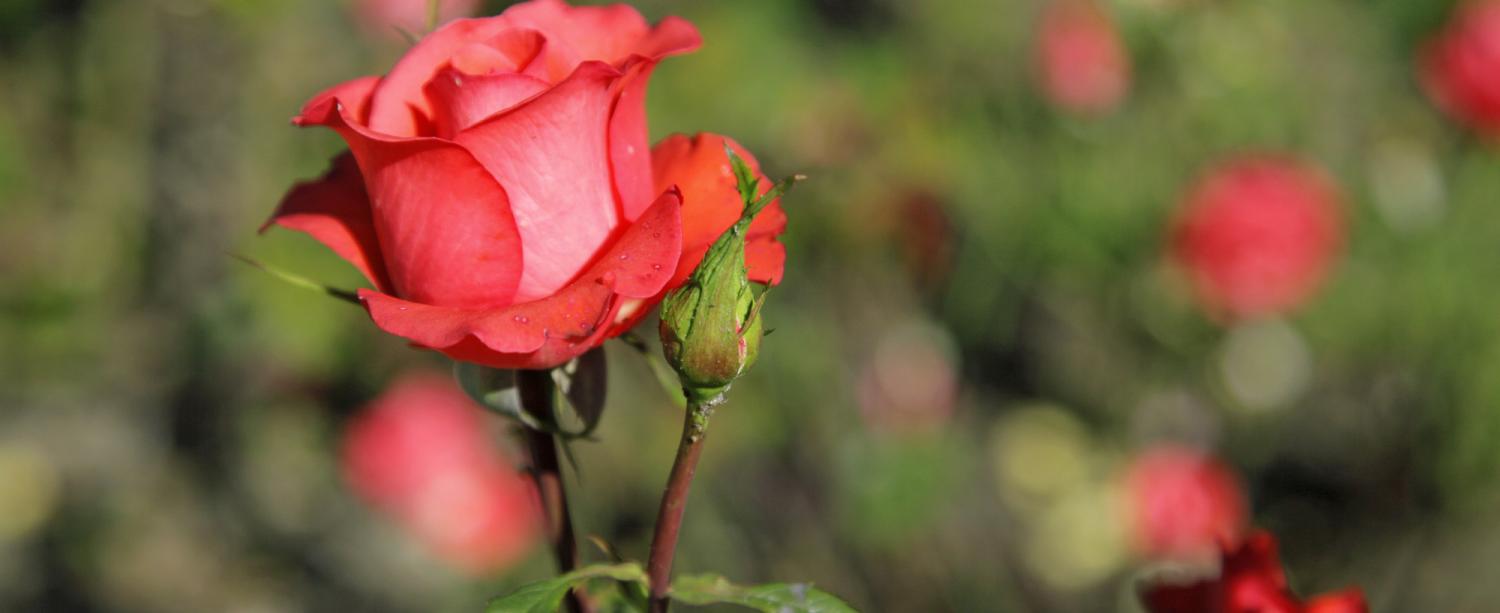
[(545, 596), (495, 389), (769, 598)]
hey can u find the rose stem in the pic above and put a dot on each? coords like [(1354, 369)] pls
[(537, 392), (674, 501)]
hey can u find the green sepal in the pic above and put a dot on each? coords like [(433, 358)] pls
[(299, 280), (711, 326)]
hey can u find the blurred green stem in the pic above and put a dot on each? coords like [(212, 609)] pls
[(538, 392), (674, 501)]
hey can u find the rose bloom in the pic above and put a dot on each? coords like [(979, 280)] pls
[(1081, 63), (499, 192), (1250, 580), (1257, 235), (389, 18), (1460, 66), (1182, 503), (420, 454)]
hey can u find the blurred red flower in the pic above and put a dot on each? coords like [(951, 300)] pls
[(1257, 235), (420, 453), (1250, 580), (1460, 66), (1081, 62), (389, 18), (1182, 503)]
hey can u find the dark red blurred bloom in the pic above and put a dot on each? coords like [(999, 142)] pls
[(1080, 60), (420, 454), (1460, 66), (1257, 235), (1183, 503), (1250, 581)]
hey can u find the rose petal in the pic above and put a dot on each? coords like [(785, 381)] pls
[(445, 226), (355, 94), (765, 260), (551, 156), (461, 100), (336, 211), (712, 201), (398, 99), (629, 155), (547, 332)]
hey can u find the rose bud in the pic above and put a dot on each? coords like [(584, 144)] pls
[(698, 167), (1460, 67), (1182, 504), (391, 18), (1081, 64), (1256, 235), (710, 326), (420, 454), (498, 190), (1250, 580)]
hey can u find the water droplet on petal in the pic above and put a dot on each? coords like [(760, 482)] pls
[(521, 319), (656, 267), (624, 256), (656, 235)]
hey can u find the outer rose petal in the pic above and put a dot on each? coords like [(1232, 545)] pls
[(548, 332), (336, 211), (552, 158), (712, 202), (354, 94), (445, 226)]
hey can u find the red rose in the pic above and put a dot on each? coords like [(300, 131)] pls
[(498, 190), (1256, 235), (1250, 581), (1460, 67), (1182, 503), (1081, 62), (420, 453)]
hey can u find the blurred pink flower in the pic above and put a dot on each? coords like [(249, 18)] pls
[(1460, 66), (910, 384), (420, 453), (1182, 503), (1257, 235), (388, 18), (1250, 580), (1081, 63)]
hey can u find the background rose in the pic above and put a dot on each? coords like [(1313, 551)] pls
[(1460, 66), (420, 452), (498, 189), (1183, 503), (1081, 63), (1257, 234)]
